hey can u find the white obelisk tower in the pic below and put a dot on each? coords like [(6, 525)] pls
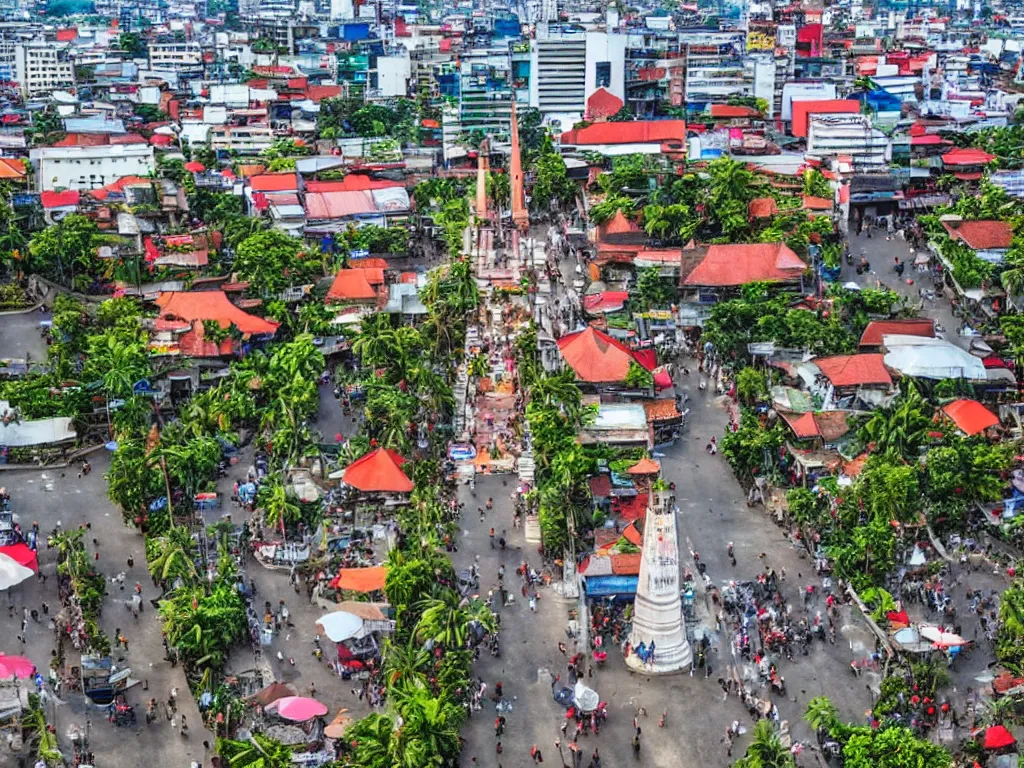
[(657, 610)]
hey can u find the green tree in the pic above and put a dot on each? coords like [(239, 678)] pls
[(766, 749), (133, 45), (66, 251), (258, 752), (268, 261)]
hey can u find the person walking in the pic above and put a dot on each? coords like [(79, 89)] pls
[(536, 755)]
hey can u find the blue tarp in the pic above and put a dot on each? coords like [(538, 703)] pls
[(610, 586), (355, 31)]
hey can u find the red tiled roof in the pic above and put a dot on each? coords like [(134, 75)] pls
[(661, 410), (828, 425), (632, 535), (619, 224), (981, 235), (321, 92), (970, 416), (728, 111), (352, 285), (762, 208), (600, 486), (354, 182), (646, 466), (876, 329), (378, 471), (338, 205), (603, 103), (11, 168), (274, 182), (854, 370), (212, 305), (812, 203), (127, 138), (728, 265), (596, 357), (633, 132), (65, 199), (967, 157), (83, 140), (67, 35), (630, 507), (627, 564)]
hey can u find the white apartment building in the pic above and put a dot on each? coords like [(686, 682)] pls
[(558, 74), (850, 135), (41, 68), (247, 140), (89, 167), (185, 57)]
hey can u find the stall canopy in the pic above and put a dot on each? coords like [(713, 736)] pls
[(361, 579), (970, 416), (339, 626), (997, 737), (645, 466), (378, 471), (298, 709), (926, 358)]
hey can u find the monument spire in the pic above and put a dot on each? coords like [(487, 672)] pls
[(657, 611), (482, 167), (520, 217)]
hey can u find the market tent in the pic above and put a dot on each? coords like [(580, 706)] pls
[(273, 692), (17, 563), (997, 737), (378, 471), (926, 358), (942, 639), (970, 416), (339, 625), (361, 579), (298, 709), (645, 466), (337, 726), (20, 667)]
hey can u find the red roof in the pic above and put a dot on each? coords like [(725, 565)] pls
[(65, 199), (998, 737), (812, 203), (603, 103), (854, 370), (646, 466), (970, 416), (596, 357), (83, 140), (194, 344), (728, 111), (609, 301), (633, 132), (626, 564), (11, 168), (160, 140), (967, 157), (630, 507), (274, 182), (127, 138), (872, 336), (338, 205), (354, 182), (728, 265), (364, 580), (212, 305), (378, 471), (928, 140), (802, 110), (67, 35), (981, 235), (321, 92), (828, 425), (762, 208), (353, 285)]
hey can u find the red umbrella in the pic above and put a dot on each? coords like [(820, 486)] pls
[(194, 167), (997, 737), (16, 666)]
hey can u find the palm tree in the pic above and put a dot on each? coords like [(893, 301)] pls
[(821, 714), (45, 741), (278, 509), (429, 733), (446, 619), (258, 752), (370, 738), (766, 750), (174, 556)]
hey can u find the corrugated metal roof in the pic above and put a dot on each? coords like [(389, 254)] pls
[(338, 205)]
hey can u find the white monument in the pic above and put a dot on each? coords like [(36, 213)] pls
[(657, 610)]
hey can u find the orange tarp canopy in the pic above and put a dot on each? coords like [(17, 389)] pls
[(379, 470), (970, 416), (361, 579), (644, 467)]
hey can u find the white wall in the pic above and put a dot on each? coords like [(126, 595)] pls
[(602, 46), (804, 92), (764, 80), (89, 167), (342, 9), (393, 73)]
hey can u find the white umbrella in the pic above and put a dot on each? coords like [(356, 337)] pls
[(340, 625), (940, 638), (12, 572)]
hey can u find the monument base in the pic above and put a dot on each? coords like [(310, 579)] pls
[(677, 659)]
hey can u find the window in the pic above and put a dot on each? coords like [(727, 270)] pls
[(603, 74)]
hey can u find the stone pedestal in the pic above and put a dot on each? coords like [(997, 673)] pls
[(657, 611)]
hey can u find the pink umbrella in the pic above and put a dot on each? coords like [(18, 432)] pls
[(298, 709), (195, 167), (16, 666)]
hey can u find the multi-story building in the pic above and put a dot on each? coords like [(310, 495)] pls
[(42, 67), (246, 140), (182, 57), (715, 67), (89, 167), (558, 74), (653, 71), (485, 91), (849, 135)]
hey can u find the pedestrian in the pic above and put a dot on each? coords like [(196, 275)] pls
[(712, 446), (312, 690), (184, 727), (131, 561), (536, 755), (172, 700)]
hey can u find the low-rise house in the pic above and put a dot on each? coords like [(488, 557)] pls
[(620, 424), (181, 327), (84, 167), (969, 416), (600, 361), (712, 273), (990, 239), (822, 429), (871, 339), (853, 382)]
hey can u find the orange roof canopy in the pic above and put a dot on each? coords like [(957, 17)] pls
[(970, 416), (211, 305), (378, 471), (596, 357), (645, 466), (361, 579)]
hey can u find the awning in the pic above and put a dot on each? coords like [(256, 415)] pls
[(361, 579)]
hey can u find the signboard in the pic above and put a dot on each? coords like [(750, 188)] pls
[(761, 40)]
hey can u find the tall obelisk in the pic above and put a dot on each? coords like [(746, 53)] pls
[(483, 165), (657, 610), (520, 216)]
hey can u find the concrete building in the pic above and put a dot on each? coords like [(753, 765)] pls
[(89, 167), (42, 67), (246, 139), (184, 57), (716, 67), (394, 74), (850, 135), (558, 74)]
